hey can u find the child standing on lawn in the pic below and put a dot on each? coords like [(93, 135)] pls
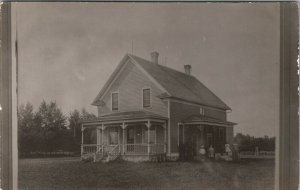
[(202, 152)]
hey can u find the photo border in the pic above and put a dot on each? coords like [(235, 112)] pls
[(287, 140)]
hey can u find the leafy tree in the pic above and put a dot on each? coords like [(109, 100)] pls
[(53, 124), (48, 130), (75, 120), (89, 134), (74, 123), (248, 143), (85, 115), (75, 128), (26, 129)]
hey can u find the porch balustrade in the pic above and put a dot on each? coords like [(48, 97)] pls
[(91, 148), (136, 149), (127, 149)]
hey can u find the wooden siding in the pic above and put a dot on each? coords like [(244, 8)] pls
[(218, 114), (229, 134), (178, 112), (130, 84)]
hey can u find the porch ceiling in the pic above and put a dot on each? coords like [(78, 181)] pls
[(130, 116), (202, 119)]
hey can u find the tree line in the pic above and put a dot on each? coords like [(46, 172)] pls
[(48, 130), (248, 143)]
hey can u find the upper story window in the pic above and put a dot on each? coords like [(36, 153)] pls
[(115, 101), (201, 111), (146, 97)]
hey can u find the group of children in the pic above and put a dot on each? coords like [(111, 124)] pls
[(211, 151)]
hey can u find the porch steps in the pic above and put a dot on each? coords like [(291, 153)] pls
[(98, 157), (109, 156)]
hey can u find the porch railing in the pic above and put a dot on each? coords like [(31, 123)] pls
[(136, 149), (91, 148), (128, 149), (108, 148)]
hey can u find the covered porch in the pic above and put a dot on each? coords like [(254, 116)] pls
[(125, 134), (204, 131)]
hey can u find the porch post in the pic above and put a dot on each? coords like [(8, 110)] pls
[(102, 132), (82, 134), (123, 127), (148, 126), (119, 135), (155, 135), (97, 138), (98, 135), (165, 138), (178, 136), (107, 133), (182, 133), (81, 140)]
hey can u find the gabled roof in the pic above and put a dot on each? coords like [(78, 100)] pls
[(175, 84), (180, 85)]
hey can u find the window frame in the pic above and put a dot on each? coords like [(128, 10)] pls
[(111, 97), (201, 110), (150, 95)]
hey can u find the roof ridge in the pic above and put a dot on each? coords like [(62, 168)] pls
[(181, 72), (185, 86), (172, 74), (163, 69)]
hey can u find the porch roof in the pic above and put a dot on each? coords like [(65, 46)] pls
[(202, 119), (126, 116)]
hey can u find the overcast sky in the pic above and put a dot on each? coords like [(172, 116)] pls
[(68, 50)]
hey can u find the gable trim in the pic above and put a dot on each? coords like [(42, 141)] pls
[(116, 74), (113, 77)]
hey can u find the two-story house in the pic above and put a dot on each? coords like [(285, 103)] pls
[(147, 109)]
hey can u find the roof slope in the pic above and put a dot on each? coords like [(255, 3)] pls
[(128, 115), (204, 118), (180, 85)]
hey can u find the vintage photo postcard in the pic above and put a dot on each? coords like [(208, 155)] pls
[(149, 95)]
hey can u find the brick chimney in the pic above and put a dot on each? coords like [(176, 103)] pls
[(154, 57), (187, 69)]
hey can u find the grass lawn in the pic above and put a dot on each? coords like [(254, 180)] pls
[(70, 173)]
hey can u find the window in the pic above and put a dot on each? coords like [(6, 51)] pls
[(201, 111), (114, 101), (146, 97)]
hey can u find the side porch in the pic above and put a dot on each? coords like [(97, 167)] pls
[(198, 132)]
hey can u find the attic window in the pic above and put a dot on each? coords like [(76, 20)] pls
[(201, 111), (114, 101), (146, 97)]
